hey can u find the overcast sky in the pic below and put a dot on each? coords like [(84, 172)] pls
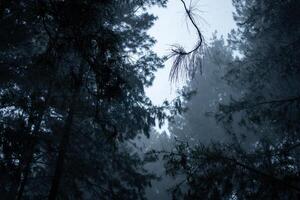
[(172, 28)]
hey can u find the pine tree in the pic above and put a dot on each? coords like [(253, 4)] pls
[(267, 75), (197, 124), (72, 92)]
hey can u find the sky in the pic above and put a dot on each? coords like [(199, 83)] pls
[(173, 27)]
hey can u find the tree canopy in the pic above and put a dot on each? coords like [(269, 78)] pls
[(261, 115), (72, 91), (75, 122)]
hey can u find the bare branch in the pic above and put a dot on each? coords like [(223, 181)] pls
[(185, 62)]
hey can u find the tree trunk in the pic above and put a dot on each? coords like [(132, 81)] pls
[(65, 138), (61, 157), (28, 161), (29, 157)]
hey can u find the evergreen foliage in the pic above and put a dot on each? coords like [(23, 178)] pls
[(266, 77), (72, 93)]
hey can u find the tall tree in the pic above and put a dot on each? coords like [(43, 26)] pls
[(72, 92), (197, 124), (267, 76)]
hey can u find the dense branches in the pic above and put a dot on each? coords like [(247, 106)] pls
[(261, 114), (66, 77)]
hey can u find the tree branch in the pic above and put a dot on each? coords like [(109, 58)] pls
[(185, 61)]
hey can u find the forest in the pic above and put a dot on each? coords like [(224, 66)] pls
[(76, 122)]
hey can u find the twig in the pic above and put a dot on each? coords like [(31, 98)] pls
[(185, 61)]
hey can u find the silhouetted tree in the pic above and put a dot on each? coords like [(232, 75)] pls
[(266, 74), (72, 92)]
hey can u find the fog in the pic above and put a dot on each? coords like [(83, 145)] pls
[(148, 100)]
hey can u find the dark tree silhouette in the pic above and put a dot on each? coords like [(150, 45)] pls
[(266, 75), (72, 93)]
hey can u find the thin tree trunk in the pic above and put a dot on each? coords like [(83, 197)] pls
[(65, 139), (61, 157), (29, 156), (23, 181)]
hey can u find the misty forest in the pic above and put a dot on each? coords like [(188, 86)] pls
[(76, 121)]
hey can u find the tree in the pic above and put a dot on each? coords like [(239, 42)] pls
[(197, 124), (72, 92), (160, 185), (267, 75)]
